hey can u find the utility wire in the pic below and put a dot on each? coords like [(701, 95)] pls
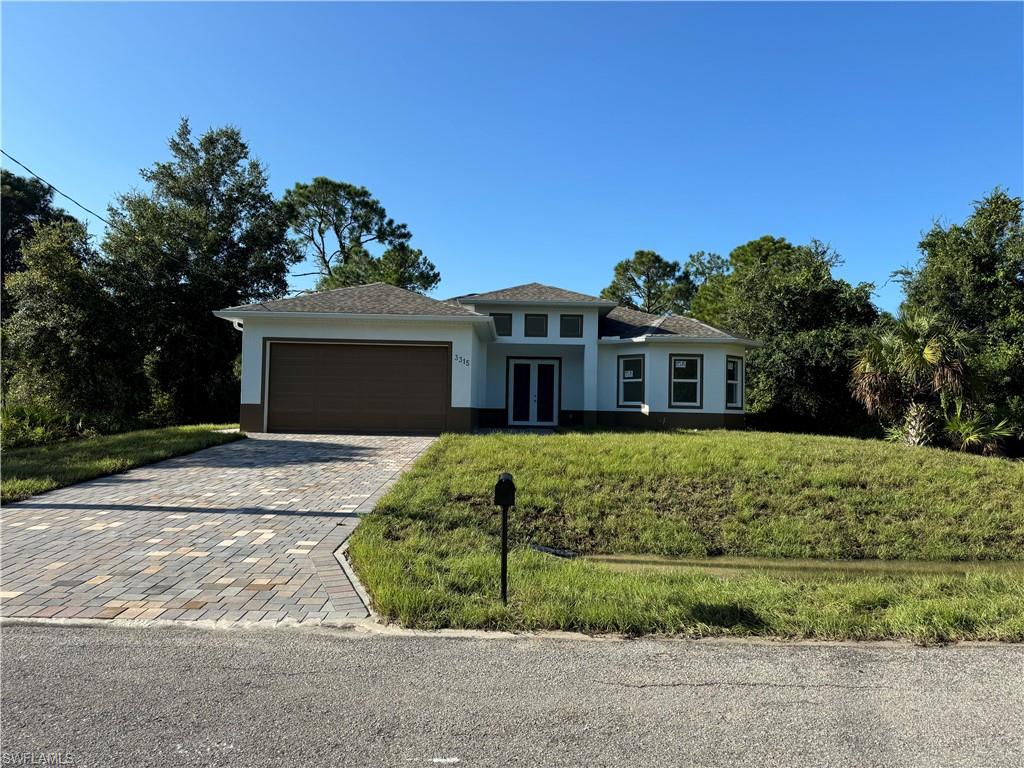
[(107, 221), (62, 194)]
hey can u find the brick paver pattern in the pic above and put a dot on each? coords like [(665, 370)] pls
[(240, 532)]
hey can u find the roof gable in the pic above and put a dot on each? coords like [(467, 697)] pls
[(531, 293), (629, 323), (372, 299)]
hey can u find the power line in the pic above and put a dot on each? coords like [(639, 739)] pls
[(183, 262), (51, 186)]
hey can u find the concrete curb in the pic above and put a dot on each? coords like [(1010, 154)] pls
[(341, 591), (367, 628), (342, 557)]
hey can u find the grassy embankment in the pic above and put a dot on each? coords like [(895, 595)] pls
[(429, 553)]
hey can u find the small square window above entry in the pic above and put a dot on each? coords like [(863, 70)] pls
[(571, 327), (502, 323), (535, 325)]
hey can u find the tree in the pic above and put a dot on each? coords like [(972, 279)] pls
[(973, 274), (338, 223), (912, 361), (786, 296), (65, 337), (710, 272), (914, 374), (24, 204), (650, 283), (206, 235)]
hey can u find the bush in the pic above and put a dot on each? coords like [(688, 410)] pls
[(24, 425)]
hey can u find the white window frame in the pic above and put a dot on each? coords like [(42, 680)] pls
[(698, 380), (621, 402), (741, 365)]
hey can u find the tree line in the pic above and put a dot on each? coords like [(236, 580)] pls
[(948, 369), (119, 334)]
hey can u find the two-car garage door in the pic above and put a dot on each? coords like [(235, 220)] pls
[(344, 387)]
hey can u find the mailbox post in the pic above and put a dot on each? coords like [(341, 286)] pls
[(504, 497)]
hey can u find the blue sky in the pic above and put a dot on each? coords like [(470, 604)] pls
[(547, 142)]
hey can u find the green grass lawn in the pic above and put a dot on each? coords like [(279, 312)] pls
[(28, 471), (429, 552)]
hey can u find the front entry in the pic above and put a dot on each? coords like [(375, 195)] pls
[(533, 394)]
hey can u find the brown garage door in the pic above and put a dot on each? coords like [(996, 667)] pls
[(357, 388)]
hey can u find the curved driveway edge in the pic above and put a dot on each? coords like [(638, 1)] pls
[(245, 532)]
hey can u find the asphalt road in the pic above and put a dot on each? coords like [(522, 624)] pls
[(117, 696)]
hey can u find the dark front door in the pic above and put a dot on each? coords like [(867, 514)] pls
[(533, 392), (546, 392), (521, 397)]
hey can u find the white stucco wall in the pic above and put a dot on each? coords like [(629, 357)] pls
[(579, 366), (656, 381), (479, 367), (465, 346), (571, 378), (517, 312), (589, 373)]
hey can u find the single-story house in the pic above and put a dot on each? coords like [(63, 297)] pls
[(377, 358)]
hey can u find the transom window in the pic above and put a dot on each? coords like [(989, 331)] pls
[(535, 325), (686, 373), (631, 380), (571, 327), (502, 323), (733, 382)]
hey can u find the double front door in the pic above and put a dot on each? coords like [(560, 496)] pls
[(532, 392)]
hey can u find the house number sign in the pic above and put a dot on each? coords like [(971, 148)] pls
[(462, 360)]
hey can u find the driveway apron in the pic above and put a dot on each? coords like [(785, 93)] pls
[(240, 532)]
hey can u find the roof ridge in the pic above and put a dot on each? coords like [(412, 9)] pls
[(708, 325), (456, 305), (341, 288), (364, 298)]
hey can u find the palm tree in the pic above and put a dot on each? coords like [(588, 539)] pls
[(903, 373)]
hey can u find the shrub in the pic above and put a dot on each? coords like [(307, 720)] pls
[(23, 425), (970, 431)]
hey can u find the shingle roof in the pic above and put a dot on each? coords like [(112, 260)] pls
[(530, 292), (630, 323), (372, 299)]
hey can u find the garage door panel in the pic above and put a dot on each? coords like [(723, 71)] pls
[(357, 388)]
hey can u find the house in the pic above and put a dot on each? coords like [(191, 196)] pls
[(377, 358)]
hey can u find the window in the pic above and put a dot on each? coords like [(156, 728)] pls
[(734, 382), (631, 381), (502, 323), (686, 374), (535, 325), (571, 327)]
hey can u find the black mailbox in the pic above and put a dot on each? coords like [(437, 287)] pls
[(505, 491)]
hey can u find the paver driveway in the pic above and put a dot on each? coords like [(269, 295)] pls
[(243, 531)]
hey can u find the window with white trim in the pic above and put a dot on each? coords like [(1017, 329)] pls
[(686, 387), (733, 382), (631, 380)]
